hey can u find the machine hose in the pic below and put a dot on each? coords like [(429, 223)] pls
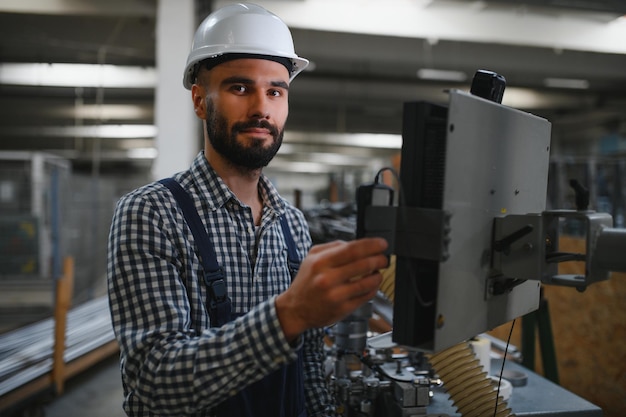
[(469, 387)]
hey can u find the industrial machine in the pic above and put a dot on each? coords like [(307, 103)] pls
[(472, 243)]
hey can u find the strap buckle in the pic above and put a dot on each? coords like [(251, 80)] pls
[(216, 286), (219, 304), (294, 267)]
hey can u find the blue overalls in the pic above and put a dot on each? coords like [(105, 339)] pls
[(279, 394)]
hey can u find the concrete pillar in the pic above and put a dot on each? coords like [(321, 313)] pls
[(178, 137)]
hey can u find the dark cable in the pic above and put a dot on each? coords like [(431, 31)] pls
[(418, 296), (556, 257), (380, 171), (506, 349)]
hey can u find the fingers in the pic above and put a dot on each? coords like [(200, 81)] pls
[(359, 290), (352, 264), (321, 247), (340, 253), (358, 249), (340, 262), (334, 279), (357, 269), (355, 294)]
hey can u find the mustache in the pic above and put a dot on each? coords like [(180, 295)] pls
[(255, 124)]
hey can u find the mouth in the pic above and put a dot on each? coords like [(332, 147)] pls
[(256, 131), (259, 130)]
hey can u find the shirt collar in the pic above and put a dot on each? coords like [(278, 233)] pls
[(217, 193)]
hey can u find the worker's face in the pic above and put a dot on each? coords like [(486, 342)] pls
[(246, 107)]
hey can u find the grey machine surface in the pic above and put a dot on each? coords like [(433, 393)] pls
[(463, 165), (497, 161)]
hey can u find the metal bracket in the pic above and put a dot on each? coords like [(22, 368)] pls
[(526, 247), (410, 231)]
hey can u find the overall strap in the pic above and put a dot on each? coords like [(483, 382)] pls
[(219, 304), (292, 253)]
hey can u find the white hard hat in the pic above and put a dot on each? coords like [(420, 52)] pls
[(242, 29)]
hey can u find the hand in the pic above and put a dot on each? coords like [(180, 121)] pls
[(334, 280)]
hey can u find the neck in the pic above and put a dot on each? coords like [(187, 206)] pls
[(244, 183)]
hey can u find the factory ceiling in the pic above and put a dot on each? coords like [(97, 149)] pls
[(563, 59)]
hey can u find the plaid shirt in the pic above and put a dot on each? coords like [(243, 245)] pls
[(172, 361)]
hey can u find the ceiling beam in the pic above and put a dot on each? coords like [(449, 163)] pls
[(145, 8), (475, 21)]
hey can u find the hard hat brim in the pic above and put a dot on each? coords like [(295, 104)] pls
[(298, 64)]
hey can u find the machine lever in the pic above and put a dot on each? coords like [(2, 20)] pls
[(504, 245)]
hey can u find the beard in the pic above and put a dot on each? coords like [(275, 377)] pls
[(224, 141)]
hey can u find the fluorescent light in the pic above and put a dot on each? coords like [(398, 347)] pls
[(142, 153), (364, 140), (97, 131), (327, 158), (441, 75), (104, 111), (113, 111), (77, 75), (330, 158), (299, 166), (573, 83)]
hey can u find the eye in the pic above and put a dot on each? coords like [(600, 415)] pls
[(238, 88), (276, 92)]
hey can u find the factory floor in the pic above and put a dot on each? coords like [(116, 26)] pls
[(96, 392)]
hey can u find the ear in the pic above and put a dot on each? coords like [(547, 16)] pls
[(198, 95)]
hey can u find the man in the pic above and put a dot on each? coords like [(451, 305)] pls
[(177, 358)]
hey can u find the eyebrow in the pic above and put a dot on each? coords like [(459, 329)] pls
[(248, 81)]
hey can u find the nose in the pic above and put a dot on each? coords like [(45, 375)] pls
[(259, 106)]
